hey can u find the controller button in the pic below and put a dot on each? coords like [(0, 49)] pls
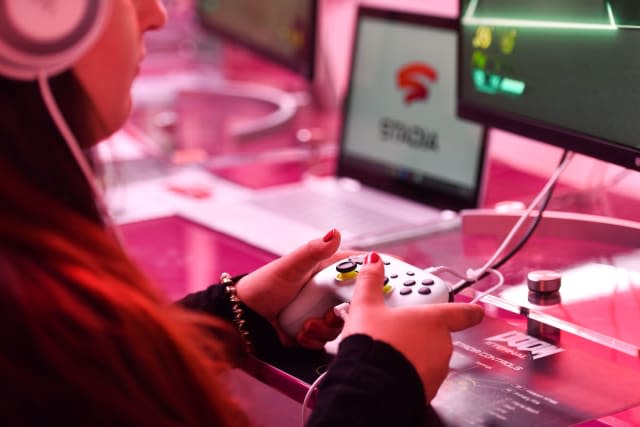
[(410, 273), (394, 276), (424, 291), (405, 291), (410, 282), (386, 262), (387, 289), (346, 276), (428, 282), (346, 267), (386, 280)]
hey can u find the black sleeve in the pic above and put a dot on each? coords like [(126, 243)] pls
[(369, 383), (214, 300)]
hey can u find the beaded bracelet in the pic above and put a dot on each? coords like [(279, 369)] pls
[(236, 307)]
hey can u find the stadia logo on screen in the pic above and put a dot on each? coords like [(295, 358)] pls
[(412, 77)]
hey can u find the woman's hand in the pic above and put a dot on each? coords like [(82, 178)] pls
[(422, 332), (272, 287)]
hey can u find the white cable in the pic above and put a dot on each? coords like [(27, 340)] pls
[(442, 268), (491, 289), (475, 274), (78, 155), (340, 310), (307, 397)]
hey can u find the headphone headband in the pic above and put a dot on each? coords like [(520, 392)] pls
[(38, 36)]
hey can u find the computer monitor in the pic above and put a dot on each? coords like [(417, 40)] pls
[(400, 131), (565, 72), (283, 31)]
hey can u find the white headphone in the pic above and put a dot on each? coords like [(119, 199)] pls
[(41, 38), (46, 36)]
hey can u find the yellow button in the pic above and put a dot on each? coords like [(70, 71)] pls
[(387, 289), (346, 276)]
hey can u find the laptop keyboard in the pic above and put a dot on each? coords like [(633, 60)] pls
[(327, 212)]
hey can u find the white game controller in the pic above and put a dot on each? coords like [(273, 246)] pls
[(404, 285)]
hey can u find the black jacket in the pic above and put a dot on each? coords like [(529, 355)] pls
[(368, 383)]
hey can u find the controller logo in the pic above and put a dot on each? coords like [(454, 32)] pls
[(412, 78), (523, 342)]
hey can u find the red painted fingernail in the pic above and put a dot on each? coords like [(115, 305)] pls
[(327, 237), (372, 258)]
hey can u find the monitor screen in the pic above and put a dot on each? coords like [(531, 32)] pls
[(284, 31), (565, 72), (399, 123)]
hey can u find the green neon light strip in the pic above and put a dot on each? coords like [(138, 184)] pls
[(612, 19), (469, 19)]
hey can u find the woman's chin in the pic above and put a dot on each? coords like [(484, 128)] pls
[(106, 128)]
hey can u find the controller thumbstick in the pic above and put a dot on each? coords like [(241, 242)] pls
[(346, 270), (346, 267)]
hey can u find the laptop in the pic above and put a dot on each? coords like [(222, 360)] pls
[(406, 163)]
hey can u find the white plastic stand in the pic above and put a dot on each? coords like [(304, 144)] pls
[(568, 225)]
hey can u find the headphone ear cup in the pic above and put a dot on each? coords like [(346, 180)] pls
[(47, 36)]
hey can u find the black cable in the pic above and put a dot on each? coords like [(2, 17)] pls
[(525, 237), (536, 220)]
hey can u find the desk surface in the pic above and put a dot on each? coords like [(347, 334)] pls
[(191, 256)]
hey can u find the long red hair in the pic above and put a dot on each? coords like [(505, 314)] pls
[(84, 338)]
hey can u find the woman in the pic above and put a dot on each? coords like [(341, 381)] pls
[(87, 341)]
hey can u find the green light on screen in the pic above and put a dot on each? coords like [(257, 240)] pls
[(493, 83), (514, 87), (481, 83), (479, 60), (494, 80)]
